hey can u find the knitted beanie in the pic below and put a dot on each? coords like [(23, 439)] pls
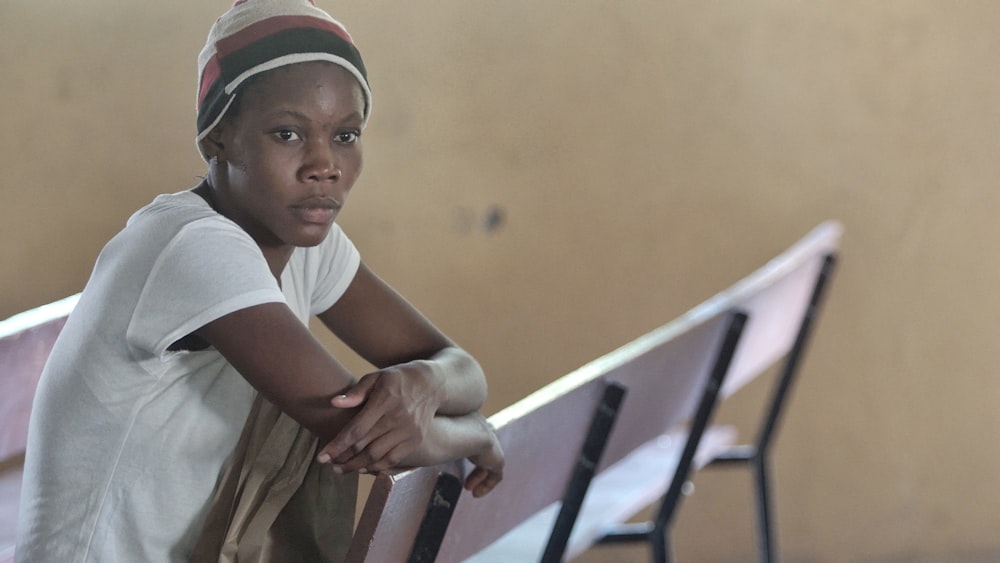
[(259, 35)]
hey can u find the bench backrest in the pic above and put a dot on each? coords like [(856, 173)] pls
[(663, 372), (542, 436), (780, 301), (777, 297), (395, 505), (774, 297), (25, 342)]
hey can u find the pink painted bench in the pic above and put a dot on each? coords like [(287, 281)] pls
[(543, 436), (645, 458), (783, 300), (664, 375), (25, 342), (570, 406)]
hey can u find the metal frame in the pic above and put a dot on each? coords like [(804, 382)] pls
[(448, 489), (440, 507), (657, 532), (583, 472), (756, 456)]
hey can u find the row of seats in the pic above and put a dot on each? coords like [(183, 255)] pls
[(584, 454), (626, 431)]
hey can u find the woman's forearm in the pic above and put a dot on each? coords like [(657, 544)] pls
[(451, 438), (461, 380)]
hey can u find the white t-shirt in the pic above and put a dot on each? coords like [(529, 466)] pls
[(127, 439)]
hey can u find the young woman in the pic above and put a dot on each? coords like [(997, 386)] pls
[(146, 415)]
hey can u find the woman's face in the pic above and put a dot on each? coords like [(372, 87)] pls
[(289, 153)]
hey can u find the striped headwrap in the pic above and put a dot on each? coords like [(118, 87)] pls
[(259, 35)]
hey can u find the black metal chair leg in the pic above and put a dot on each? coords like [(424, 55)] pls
[(661, 548), (765, 534)]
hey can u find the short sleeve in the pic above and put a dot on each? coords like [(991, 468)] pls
[(332, 266), (209, 269)]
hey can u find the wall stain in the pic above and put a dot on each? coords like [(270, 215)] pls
[(466, 221)]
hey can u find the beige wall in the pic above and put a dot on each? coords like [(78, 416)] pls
[(643, 156)]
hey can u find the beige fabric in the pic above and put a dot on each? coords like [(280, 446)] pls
[(274, 502)]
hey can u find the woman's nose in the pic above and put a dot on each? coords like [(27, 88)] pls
[(320, 164)]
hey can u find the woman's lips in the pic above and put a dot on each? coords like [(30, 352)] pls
[(319, 212)]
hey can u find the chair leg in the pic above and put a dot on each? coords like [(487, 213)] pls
[(661, 547), (766, 545)]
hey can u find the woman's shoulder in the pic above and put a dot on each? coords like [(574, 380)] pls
[(183, 222), (184, 213), (181, 207)]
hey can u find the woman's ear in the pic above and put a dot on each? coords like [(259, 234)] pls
[(212, 145)]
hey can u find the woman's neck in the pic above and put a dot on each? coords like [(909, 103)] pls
[(277, 256)]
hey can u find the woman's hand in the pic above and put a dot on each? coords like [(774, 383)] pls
[(489, 469), (397, 407)]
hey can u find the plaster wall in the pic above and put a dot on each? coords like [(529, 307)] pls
[(548, 180)]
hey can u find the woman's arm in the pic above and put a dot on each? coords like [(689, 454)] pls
[(276, 353), (386, 330), (469, 436), (423, 374), (448, 438), (390, 410)]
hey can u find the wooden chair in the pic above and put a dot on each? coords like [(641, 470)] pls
[(782, 299), (669, 375), (25, 342)]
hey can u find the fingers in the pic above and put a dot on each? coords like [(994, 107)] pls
[(353, 438), (482, 480), (370, 444), (390, 424), (348, 400), (489, 468), (381, 455), (355, 396), (362, 429)]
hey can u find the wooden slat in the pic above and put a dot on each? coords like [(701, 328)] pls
[(10, 492), (25, 342), (776, 296)]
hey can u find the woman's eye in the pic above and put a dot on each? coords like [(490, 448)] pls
[(287, 135), (348, 137)]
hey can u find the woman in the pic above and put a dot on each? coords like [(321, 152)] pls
[(200, 306)]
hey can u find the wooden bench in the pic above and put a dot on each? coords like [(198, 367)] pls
[(25, 342), (543, 437), (756, 455), (782, 299), (581, 400), (646, 450), (649, 452)]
